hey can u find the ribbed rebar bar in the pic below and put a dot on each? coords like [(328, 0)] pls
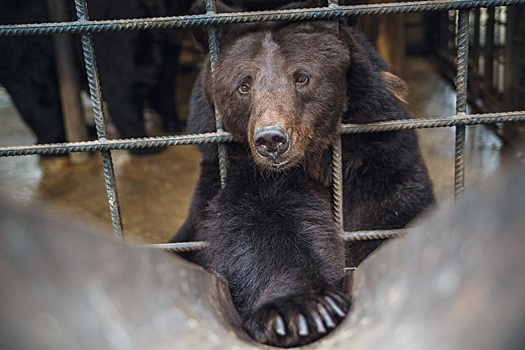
[(213, 44), (180, 246), (323, 13), (348, 236), (337, 183), (147, 142), (337, 164), (106, 145), (377, 234), (425, 123), (461, 100), (96, 98)]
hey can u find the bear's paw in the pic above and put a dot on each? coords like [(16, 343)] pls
[(297, 319)]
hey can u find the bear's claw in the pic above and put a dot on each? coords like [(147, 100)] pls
[(298, 319)]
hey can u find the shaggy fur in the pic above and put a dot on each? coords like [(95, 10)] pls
[(271, 230)]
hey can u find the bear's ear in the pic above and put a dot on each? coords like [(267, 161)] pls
[(200, 33), (396, 85)]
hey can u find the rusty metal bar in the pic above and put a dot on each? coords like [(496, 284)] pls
[(337, 182), (211, 10), (96, 98), (461, 100), (106, 145), (348, 236), (179, 247), (323, 13), (374, 234), (337, 164)]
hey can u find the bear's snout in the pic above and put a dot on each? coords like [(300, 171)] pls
[(271, 141)]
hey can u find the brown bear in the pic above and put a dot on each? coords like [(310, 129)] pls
[(283, 89)]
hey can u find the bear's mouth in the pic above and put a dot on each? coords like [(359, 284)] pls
[(280, 165)]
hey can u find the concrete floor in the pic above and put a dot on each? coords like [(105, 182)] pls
[(155, 190)]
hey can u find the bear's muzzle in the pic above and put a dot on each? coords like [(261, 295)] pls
[(271, 141)]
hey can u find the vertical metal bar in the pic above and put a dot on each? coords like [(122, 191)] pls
[(214, 51), (69, 87), (337, 165), (96, 98), (337, 182), (461, 100)]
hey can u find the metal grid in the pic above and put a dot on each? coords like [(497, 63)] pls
[(212, 19)]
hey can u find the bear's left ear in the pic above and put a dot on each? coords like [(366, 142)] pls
[(200, 33), (396, 85)]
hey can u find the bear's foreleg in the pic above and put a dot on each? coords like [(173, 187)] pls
[(277, 246)]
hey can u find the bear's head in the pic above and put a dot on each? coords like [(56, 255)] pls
[(282, 91), (280, 88), (283, 88)]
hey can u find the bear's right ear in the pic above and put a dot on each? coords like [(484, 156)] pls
[(396, 85), (200, 33)]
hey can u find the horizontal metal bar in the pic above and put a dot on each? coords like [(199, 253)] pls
[(104, 145), (147, 142), (179, 247), (423, 123), (376, 234), (323, 13), (348, 236)]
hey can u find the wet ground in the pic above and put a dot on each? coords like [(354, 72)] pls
[(155, 191)]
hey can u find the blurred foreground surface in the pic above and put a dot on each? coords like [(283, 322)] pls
[(455, 282)]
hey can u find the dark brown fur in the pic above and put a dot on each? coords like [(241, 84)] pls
[(271, 230)]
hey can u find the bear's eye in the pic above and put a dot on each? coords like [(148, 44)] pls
[(302, 80), (244, 89)]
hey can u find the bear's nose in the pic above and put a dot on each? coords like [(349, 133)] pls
[(271, 140)]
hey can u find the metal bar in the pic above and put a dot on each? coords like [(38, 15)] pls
[(211, 9), (375, 234), (337, 163), (96, 98), (348, 236), (337, 182), (179, 247), (425, 123), (461, 100), (323, 13), (105, 145)]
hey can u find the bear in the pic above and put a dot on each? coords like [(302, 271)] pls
[(282, 90), (137, 68)]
